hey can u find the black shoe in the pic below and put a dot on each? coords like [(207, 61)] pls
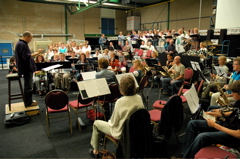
[(93, 155)]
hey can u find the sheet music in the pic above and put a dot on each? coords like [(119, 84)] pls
[(195, 65), (207, 116), (220, 71), (93, 88), (51, 67), (119, 77), (89, 75), (192, 99)]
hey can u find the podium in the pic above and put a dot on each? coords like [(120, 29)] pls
[(18, 107)]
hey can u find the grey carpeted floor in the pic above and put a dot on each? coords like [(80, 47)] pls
[(31, 141)]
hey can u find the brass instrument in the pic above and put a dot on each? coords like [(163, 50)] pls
[(219, 101), (167, 73)]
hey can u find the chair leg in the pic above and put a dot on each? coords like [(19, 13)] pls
[(70, 121), (47, 123), (104, 143), (79, 126)]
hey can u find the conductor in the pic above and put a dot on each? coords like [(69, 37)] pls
[(26, 66)]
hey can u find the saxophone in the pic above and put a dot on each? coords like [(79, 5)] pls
[(225, 101)]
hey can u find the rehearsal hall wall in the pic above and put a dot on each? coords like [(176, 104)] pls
[(179, 9), (38, 18)]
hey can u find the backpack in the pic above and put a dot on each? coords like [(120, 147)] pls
[(91, 114)]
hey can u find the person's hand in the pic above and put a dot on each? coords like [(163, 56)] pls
[(225, 86), (215, 113), (211, 123), (37, 71), (40, 51), (172, 80)]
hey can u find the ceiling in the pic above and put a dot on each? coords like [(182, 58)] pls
[(111, 4)]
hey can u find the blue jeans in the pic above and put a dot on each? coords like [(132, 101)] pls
[(170, 87), (28, 82), (199, 135)]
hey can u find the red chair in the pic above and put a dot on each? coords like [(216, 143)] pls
[(214, 152), (131, 69), (78, 104), (140, 53), (188, 74), (148, 55), (57, 102)]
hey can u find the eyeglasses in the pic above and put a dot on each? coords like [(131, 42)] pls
[(235, 64)]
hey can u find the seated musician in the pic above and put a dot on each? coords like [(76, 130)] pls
[(104, 72), (113, 63), (39, 75), (143, 45), (122, 63), (111, 47), (123, 108), (150, 46), (62, 75), (72, 55), (234, 77), (127, 49), (106, 54), (86, 47), (12, 65), (119, 46), (139, 70), (97, 54), (202, 133), (170, 84), (85, 66), (54, 58), (171, 48), (219, 78)]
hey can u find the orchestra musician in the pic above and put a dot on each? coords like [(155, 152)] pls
[(171, 48), (179, 42), (234, 77), (104, 72), (202, 133), (138, 70), (84, 68), (170, 84), (113, 63), (211, 87), (39, 75), (63, 75), (123, 108), (102, 41), (121, 38)]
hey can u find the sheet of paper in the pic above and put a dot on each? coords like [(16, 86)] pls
[(192, 99), (89, 75), (51, 67), (119, 77), (93, 88), (207, 116), (195, 65)]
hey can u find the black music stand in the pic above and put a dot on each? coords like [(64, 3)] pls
[(73, 60), (151, 62)]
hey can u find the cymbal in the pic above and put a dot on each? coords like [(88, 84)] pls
[(212, 47), (207, 42)]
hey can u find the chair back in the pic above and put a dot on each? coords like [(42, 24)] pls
[(149, 53), (140, 52), (131, 69), (136, 133), (143, 83), (188, 74), (115, 92), (56, 99), (171, 116)]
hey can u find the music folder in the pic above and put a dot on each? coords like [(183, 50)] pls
[(192, 99), (119, 77), (51, 67), (93, 88)]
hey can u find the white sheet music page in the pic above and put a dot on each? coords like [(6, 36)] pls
[(51, 67), (195, 65), (93, 88), (207, 116), (119, 77), (192, 99), (89, 75)]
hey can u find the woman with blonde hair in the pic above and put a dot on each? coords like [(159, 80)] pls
[(139, 70)]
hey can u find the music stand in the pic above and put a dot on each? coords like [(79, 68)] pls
[(151, 62), (73, 60)]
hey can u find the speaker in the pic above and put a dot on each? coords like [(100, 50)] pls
[(210, 34), (223, 36)]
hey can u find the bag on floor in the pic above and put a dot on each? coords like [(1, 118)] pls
[(92, 115), (17, 118), (105, 154)]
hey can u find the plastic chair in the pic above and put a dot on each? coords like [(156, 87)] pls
[(57, 102), (78, 104)]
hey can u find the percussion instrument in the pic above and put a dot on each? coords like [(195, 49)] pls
[(207, 42)]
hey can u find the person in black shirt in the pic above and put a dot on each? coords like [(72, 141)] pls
[(26, 66), (171, 48)]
